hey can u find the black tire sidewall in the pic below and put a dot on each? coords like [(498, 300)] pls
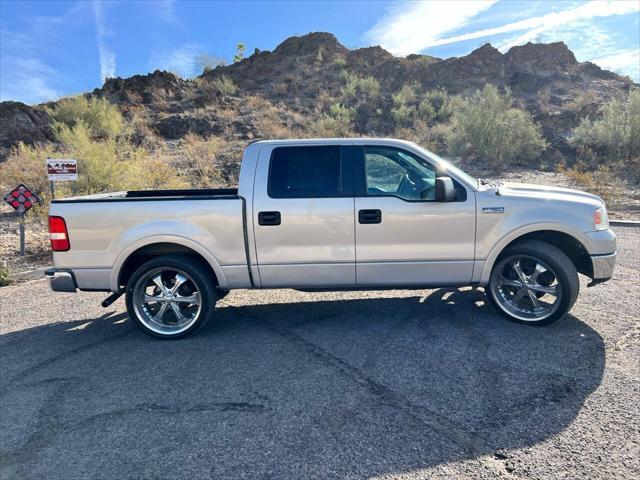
[(566, 275), (200, 276)]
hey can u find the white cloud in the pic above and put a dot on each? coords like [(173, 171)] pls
[(106, 56), (536, 25), (626, 62), (29, 82), (410, 27), (182, 60)]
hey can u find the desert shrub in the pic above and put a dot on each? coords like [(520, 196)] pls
[(5, 276), (349, 92), (103, 165), (281, 88), (487, 127), (358, 89), (426, 110), (100, 165), (597, 181), (224, 85), (615, 136), (101, 118), (339, 111), (368, 86), (25, 164), (450, 105), (402, 115), (146, 172), (437, 98), (581, 100), (201, 155), (339, 62), (406, 94)]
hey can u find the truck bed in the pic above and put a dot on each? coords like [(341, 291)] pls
[(186, 194), (105, 229)]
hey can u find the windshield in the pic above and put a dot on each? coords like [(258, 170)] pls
[(447, 166)]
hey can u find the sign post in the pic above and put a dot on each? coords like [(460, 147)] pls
[(21, 199), (61, 170)]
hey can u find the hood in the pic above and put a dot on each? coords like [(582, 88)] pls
[(548, 193)]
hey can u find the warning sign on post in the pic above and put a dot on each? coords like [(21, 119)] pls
[(62, 169)]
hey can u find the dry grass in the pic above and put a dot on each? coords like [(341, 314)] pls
[(202, 156)]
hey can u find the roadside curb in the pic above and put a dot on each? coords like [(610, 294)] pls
[(28, 275), (625, 223)]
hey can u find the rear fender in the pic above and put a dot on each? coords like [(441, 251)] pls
[(176, 239)]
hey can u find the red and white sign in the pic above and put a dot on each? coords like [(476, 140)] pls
[(62, 169), (21, 198)]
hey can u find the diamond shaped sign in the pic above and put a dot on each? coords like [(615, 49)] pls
[(21, 198)]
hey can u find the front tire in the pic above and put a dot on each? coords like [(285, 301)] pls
[(533, 282), (170, 296)]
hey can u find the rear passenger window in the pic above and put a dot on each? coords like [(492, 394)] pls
[(303, 172)]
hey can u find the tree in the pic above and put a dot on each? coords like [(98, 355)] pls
[(240, 49)]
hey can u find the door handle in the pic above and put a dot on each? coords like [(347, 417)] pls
[(369, 216), (269, 218)]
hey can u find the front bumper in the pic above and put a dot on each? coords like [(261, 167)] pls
[(603, 266), (61, 280)]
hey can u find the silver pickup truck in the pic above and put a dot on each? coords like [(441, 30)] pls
[(332, 214)]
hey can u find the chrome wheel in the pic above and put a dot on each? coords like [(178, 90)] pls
[(167, 301), (526, 288)]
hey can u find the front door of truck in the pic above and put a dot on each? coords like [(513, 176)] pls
[(404, 236), (303, 216)]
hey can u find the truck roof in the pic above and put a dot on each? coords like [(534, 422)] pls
[(334, 141)]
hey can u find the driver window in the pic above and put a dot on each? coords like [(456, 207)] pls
[(394, 172)]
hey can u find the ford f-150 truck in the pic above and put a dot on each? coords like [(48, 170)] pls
[(332, 214)]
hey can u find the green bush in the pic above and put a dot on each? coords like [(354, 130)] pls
[(616, 134), (487, 127), (426, 110), (402, 115), (5, 276), (336, 123), (357, 90), (101, 118), (224, 85), (369, 87)]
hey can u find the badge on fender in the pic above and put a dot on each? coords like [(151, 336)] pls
[(492, 209)]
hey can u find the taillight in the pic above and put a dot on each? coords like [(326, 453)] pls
[(58, 234)]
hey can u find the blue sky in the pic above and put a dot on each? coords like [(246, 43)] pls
[(50, 49)]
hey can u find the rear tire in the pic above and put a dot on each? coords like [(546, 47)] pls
[(533, 282), (171, 296)]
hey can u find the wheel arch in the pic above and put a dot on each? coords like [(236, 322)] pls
[(572, 243), (139, 252)]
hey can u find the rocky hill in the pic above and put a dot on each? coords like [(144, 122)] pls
[(278, 93)]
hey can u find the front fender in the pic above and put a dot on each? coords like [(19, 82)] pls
[(485, 272)]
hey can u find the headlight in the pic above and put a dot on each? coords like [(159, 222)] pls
[(600, 218)]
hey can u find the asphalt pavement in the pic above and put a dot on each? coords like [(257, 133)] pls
[(285, 384)]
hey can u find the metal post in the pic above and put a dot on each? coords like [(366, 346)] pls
[(22, 235), (52, 188)]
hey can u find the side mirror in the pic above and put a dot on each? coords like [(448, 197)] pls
[(445, 191)]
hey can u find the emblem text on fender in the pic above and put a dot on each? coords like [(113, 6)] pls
[(492, 209)]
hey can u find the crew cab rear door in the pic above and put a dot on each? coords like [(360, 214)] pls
[(303, 216), (404, 236)]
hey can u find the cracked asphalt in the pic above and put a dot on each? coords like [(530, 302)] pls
[(284, 384)]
